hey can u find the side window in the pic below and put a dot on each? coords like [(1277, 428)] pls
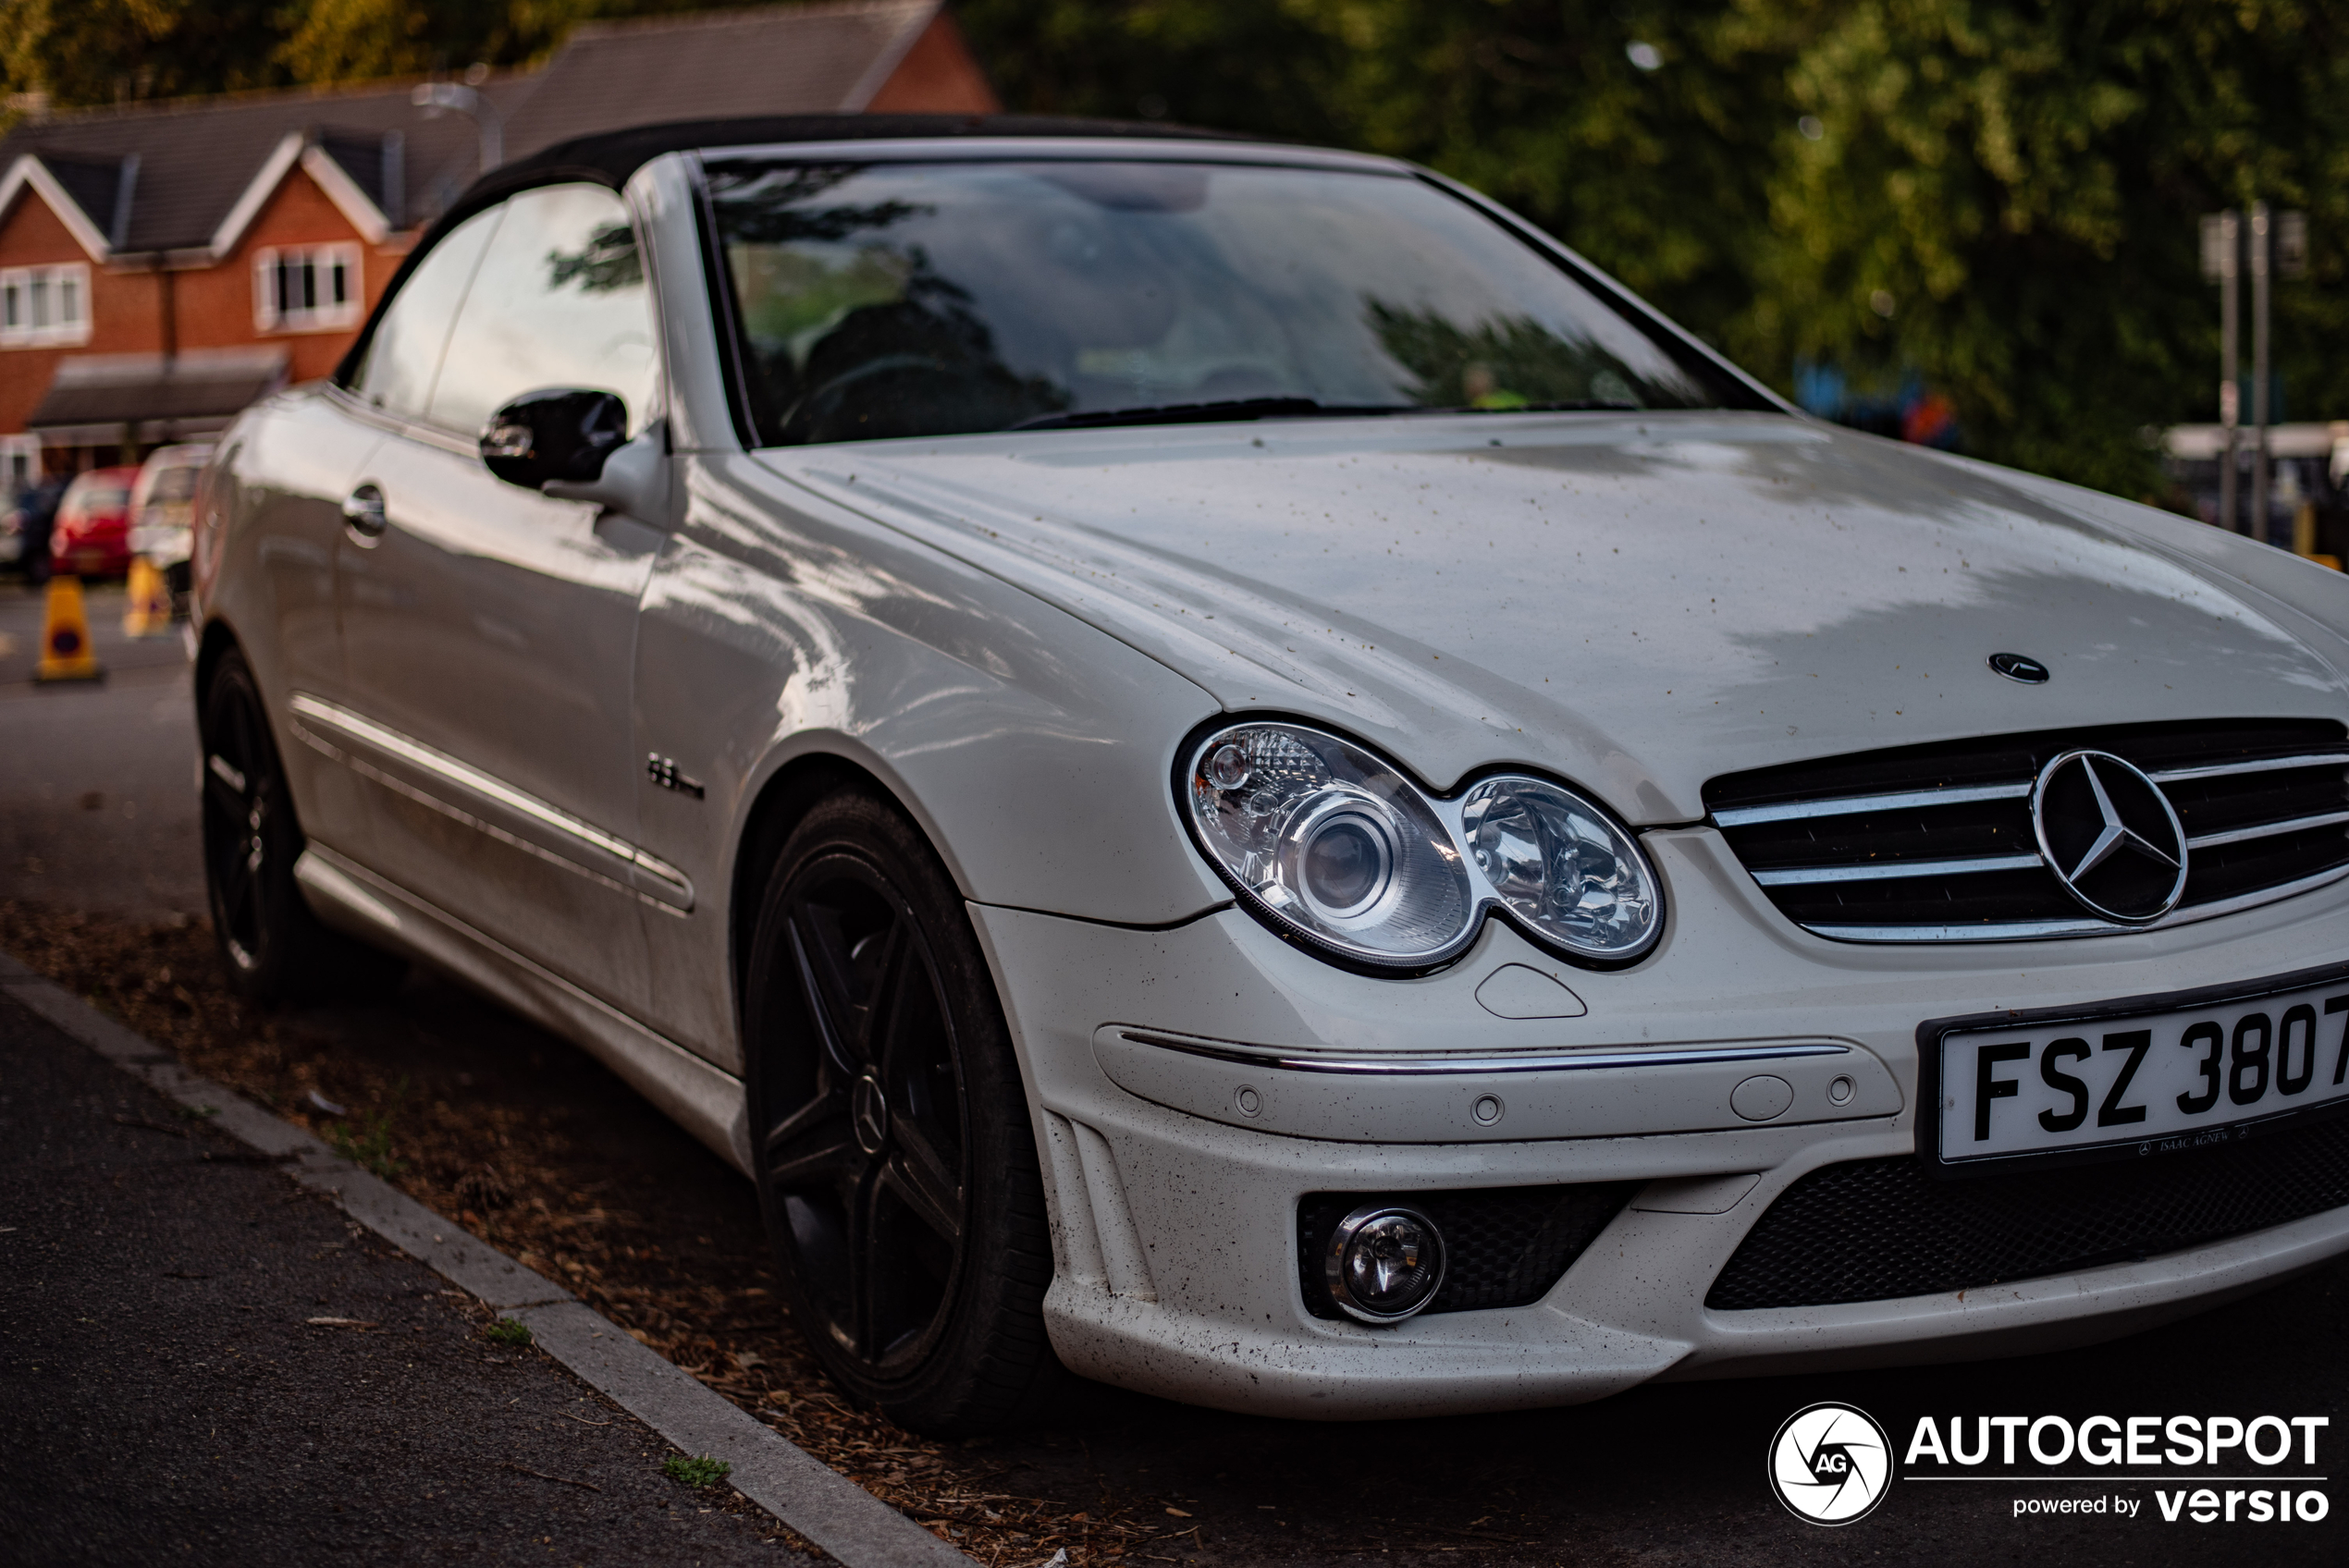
[(405, 349), (559, 300)]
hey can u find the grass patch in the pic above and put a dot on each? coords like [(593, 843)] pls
[(369, 1145), (698, 1472), (507, 1332)]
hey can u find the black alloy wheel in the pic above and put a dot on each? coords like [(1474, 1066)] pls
[(272, 946), (896, 1167)]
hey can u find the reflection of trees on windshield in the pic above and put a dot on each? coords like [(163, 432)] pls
[(852, 337), (769, 206), (607, 262), (1503, 362)]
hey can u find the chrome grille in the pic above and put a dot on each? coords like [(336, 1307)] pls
[(1935, 843)]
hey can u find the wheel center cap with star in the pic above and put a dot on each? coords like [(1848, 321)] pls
[(868, 1112), (2110, 836)]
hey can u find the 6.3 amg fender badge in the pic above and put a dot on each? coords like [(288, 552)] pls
[(2110, 836), (663, 771), (1831, 1464)]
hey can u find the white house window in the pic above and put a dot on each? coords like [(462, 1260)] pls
[(44, 306), (305, 288), (20, 465)]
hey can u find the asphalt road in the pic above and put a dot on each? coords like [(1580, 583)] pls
[(98, 779), (1666, 1474), (171, 1396)]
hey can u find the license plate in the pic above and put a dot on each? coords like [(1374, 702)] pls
[(2123, 1080)]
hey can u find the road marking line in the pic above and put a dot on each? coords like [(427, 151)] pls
[(785, 1479)]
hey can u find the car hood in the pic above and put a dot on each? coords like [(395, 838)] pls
[(1636, 603)]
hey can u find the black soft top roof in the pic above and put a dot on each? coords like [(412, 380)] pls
[(611, 156)]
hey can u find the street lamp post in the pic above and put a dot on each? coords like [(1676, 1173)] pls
[(2221, 261), (2277, 246), (435, 97), (2260, 256)]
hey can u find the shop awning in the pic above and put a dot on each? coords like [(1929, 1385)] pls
[(118, 398)]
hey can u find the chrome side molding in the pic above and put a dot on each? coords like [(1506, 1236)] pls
[(459, 789)]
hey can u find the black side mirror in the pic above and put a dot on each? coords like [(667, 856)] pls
[(560, 434)]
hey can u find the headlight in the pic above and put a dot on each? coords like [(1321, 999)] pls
[(1558, 865), (1327, 843), (1331, 843)]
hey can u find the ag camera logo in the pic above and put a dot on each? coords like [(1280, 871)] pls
[(1831, 1464)]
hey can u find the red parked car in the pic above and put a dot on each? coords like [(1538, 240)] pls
[(93, 534)]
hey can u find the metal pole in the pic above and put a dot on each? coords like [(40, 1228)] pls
[(2260, 253), (432, 97), (2231, 385)]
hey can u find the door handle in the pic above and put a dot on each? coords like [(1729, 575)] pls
[(363, 513)]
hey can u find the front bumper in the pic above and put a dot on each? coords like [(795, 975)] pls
[(1175, 1195)]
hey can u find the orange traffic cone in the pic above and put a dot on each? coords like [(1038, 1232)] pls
[(66, 653), (148, 613)]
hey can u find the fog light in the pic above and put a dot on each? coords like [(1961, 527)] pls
[(1384, 1262)]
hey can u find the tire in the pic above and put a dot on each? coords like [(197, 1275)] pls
[(895, 1164), (272, 947)]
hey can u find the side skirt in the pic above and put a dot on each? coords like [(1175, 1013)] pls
[(703, 1099)]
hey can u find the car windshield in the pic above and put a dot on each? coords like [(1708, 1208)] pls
[(102, 499), (898, 299), (174, 483)]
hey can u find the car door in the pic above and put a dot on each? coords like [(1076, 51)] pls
[(317, 516), (313, 450), (488, 630)]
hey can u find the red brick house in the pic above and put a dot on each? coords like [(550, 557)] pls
[(163, 264)]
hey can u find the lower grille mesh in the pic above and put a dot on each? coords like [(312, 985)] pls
[(1503, 1246), (1875, 1230)]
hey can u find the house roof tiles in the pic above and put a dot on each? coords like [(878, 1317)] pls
[(199, 157), (803, 59)]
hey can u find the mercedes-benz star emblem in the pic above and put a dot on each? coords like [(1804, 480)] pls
[(868, 1114), (2109, 834)]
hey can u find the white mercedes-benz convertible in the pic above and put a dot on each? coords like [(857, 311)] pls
[(1219, 766)]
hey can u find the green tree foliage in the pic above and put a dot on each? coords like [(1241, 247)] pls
[(94, 52), (353, 40), (2020, 181), (1258, 65), (112, 51)]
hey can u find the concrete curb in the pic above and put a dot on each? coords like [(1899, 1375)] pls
[(796, 1488)]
